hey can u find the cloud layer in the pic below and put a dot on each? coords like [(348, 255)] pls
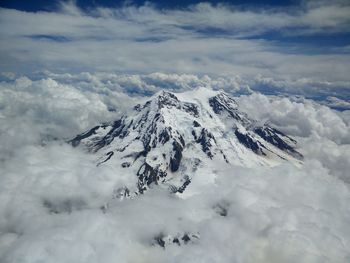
[(203, 39), (276, 215), (51, 195)]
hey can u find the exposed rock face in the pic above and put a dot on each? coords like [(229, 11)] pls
[(278, 139), (206, 140), (249, 142), (164, 138), (178, 240), (222, 102), (176, 159)]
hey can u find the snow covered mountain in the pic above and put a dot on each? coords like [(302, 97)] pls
[(166, 139)]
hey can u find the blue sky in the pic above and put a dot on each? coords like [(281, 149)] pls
[(288, 42)]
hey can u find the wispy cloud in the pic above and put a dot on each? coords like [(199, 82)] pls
[(202, 38)]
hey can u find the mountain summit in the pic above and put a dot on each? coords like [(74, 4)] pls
[(168, 137)]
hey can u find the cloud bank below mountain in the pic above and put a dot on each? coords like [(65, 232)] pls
[(51, 194)]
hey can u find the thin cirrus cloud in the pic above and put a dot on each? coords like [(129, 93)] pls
[(202, 39)]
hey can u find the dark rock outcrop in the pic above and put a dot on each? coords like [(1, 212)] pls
[(249, 142)]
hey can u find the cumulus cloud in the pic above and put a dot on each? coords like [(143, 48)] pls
[(302, 119), (146, 84), (57, 206), (273, 215), (42, 110), (323, 134), (333, 94)]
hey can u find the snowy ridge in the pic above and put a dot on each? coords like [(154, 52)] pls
[(170, 136)]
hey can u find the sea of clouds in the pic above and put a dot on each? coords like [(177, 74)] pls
[(52, 195)]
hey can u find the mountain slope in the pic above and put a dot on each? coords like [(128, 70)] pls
[(167, 138)]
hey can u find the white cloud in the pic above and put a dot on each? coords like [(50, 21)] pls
[(274, 215), (232, 83), (202, 39), (322, 133), (302, 119), (51, 195), (37, 111)]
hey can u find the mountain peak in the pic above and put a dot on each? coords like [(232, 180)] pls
[(221, 102), (166, 98), (168, 137)]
